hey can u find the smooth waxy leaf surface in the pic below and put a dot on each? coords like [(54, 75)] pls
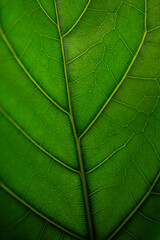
[(80, 119)]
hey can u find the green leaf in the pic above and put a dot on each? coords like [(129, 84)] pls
[(80, 119)]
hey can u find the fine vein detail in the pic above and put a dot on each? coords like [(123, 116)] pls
[(85, 9), (122, 80), (26, 71), (149, 193), (136, 208), (5, 114), (10, 192), (111, 155), (77, 141), (46, 13)]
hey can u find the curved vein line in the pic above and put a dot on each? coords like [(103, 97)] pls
[(155, 193), (5, 114), (148, 218), (130, 234), (46, 13), (124, 42), (153, 29), (136, 208), (112, 154), (139, 77), (118, 86), (26, 71), (125, 104), (10, 192), (85, 9), (90, 47), (155, 150), (17, 222), (43, 229), (77, 141), (101, 188)]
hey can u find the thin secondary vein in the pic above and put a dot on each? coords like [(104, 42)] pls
[(153, 29), (46, 13), (20, 220), (85, 9), (111, 155), (26, 71), (75, 58), (9, 191), (136, 208), (118, 86), (130, 234), (5, 114), (148, 218), (155, 193), (77, 141)]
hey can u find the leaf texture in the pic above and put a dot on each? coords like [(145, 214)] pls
[(80, 119)]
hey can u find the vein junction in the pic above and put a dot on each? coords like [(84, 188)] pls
[(90, 126)]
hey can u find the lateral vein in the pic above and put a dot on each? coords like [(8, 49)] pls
[(135, 209), (46, 13), (10, 192), (115, 90), (5, 114), (85, 9), (26, 71), (111, 155)]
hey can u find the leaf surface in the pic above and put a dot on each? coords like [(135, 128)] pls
[(80, 119)]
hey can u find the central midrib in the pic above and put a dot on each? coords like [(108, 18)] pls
[(77, 140)]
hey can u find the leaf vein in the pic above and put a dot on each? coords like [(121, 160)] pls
[(85, 9), (5, 114), (46, 13), (111, 155), (136, 208), (26, 71), (77, 141), (10, 192), (115, 90)]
